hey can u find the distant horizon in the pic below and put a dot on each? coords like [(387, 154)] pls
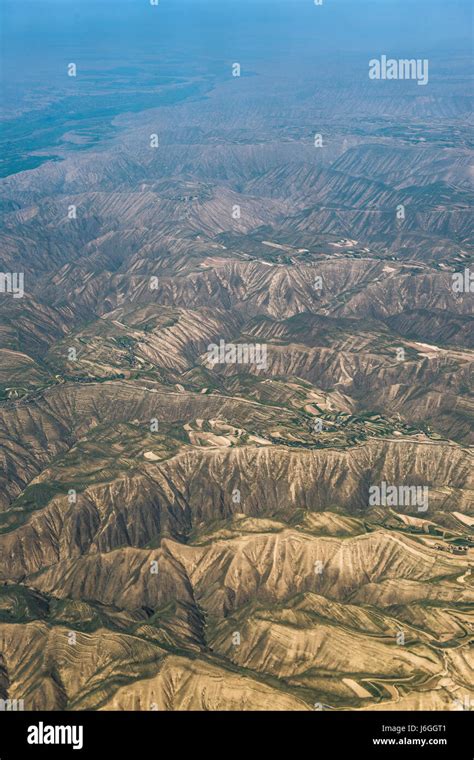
[(341, 25)]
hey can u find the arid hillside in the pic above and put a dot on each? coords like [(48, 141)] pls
[(236, 402)]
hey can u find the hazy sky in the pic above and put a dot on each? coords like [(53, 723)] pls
[(365, 25)]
